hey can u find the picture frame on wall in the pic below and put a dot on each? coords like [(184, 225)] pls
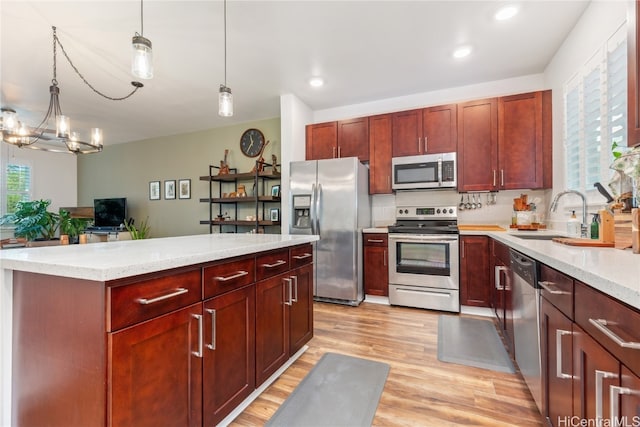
[(184, 189), (274, 214), (170, 189), (154, 190)]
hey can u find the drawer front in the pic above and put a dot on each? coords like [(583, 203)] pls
[(272, 263), (301, 255), (557, 288), (614, 325), (375, 239), (228, 276), (144, 300)]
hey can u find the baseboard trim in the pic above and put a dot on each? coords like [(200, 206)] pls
[(477, 311)]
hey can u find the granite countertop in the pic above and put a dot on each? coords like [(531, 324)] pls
[(614, 272), (114, 260)]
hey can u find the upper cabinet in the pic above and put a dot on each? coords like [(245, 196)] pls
[(505, 143), (633, 89), (345, 138), (426, 130), (380, 154)]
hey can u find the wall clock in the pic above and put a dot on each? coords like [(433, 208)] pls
[(251, 142)]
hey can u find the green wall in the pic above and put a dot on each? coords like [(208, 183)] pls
[(125, 170)]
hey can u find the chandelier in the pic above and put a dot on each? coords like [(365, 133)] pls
[(54, 132)]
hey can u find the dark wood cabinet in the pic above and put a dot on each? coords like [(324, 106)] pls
[(380, 150), (376, 264), (478, 145), (475, 288), (301, 312), (156, 371), (524, 141), (229, 352), (425, 130), (344, 138), (633, 74), (500, 280)]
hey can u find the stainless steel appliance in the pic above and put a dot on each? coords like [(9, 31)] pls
[(330, 198), (423, 258), (424, 171), (526, 309)]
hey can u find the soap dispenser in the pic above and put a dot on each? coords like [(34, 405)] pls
[(573, 225)]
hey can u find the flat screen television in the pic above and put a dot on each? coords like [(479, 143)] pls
[(109, 212)]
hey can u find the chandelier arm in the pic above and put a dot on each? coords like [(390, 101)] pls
[(137, 85)]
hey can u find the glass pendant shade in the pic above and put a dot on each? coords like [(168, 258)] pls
[(225, 102), (96, 137), (62, 127), (142, 58), (9, 120)]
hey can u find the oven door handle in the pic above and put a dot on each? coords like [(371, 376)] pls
[(422, 237)]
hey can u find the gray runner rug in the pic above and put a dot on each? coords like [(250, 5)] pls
[(339, 391), (472, 342)]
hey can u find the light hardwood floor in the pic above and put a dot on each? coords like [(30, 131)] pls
[(420, 390)]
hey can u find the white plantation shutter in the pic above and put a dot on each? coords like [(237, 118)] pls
[(572, 138), (17, 186), (617, 90), (592, 99)]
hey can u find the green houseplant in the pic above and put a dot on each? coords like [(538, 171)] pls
[(71, 226), (141, 232), (33, 221)]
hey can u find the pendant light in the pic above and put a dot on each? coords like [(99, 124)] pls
[(225, 98), (142, 55)]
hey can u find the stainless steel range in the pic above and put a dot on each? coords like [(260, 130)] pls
[(423, 258)]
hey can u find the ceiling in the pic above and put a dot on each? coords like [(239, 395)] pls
[(365, 51)]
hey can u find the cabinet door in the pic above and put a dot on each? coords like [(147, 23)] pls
[(407, 133), (380, 154), (475, 289), (376, 265), (521, 140), (440, 132), (301, 309), (594, 371), (272, 326), (557, 369), (633, 80), (630, 399), (322, 141), (478, 145), (353, 138), (229, 352), (156, 371)]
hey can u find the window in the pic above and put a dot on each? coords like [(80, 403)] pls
[(595, 101), (17, 180)]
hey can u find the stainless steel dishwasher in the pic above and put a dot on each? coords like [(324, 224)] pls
[(526, 309)]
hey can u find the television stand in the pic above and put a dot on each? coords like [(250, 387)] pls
[(107, 234)]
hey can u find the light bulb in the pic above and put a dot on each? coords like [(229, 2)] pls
[(142, 58), (225, 102), (62, 127)]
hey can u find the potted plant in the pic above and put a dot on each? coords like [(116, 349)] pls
[(72, 226), (33, 221), (137, 233)]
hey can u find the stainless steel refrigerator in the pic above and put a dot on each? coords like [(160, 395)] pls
[(330, 198)]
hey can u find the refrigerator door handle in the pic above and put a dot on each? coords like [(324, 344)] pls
[(312, 206), (318, 208)]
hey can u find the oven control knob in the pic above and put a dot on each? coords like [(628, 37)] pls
[(406, 211), (450, 211), (438, 211)]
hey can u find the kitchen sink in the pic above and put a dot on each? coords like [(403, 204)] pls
[(538, 236)]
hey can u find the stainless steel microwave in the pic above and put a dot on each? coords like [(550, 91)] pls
[(424, 171)]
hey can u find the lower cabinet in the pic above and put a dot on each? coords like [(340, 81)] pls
[(475, 288), (376, 264), (500, 281)]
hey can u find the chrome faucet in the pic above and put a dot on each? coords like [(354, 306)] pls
[(554, 206)]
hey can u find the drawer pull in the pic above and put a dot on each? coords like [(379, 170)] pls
[(547, 287), (295, 287), (559, 334), (199, 353), (233, 276), (212, 346), (178, 291), (288, 301), (375, 241), (600, 376), (498, 274), (614, 402), (275, 264), (304, 256), (601, 324)]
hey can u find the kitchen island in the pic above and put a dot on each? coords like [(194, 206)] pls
[(101, 328)]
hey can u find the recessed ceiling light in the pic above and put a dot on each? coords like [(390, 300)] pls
[(462, 51), (316, 81), (505, 13)]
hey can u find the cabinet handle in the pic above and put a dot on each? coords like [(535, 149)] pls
[(295, 288), (339, 152), (501, 177), (375, 241), (304, 256), (601, 324), (288, 280), (425, 144), (559, 334), (275, 264), (418, 144), (175, 293), (547, 287), (614, 405), (200, 338), (601, 375), (233, 276), (212, 346), (497, 270), (384, 258), (389, 181), (333, 152), (462, 249), (494, 177)]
